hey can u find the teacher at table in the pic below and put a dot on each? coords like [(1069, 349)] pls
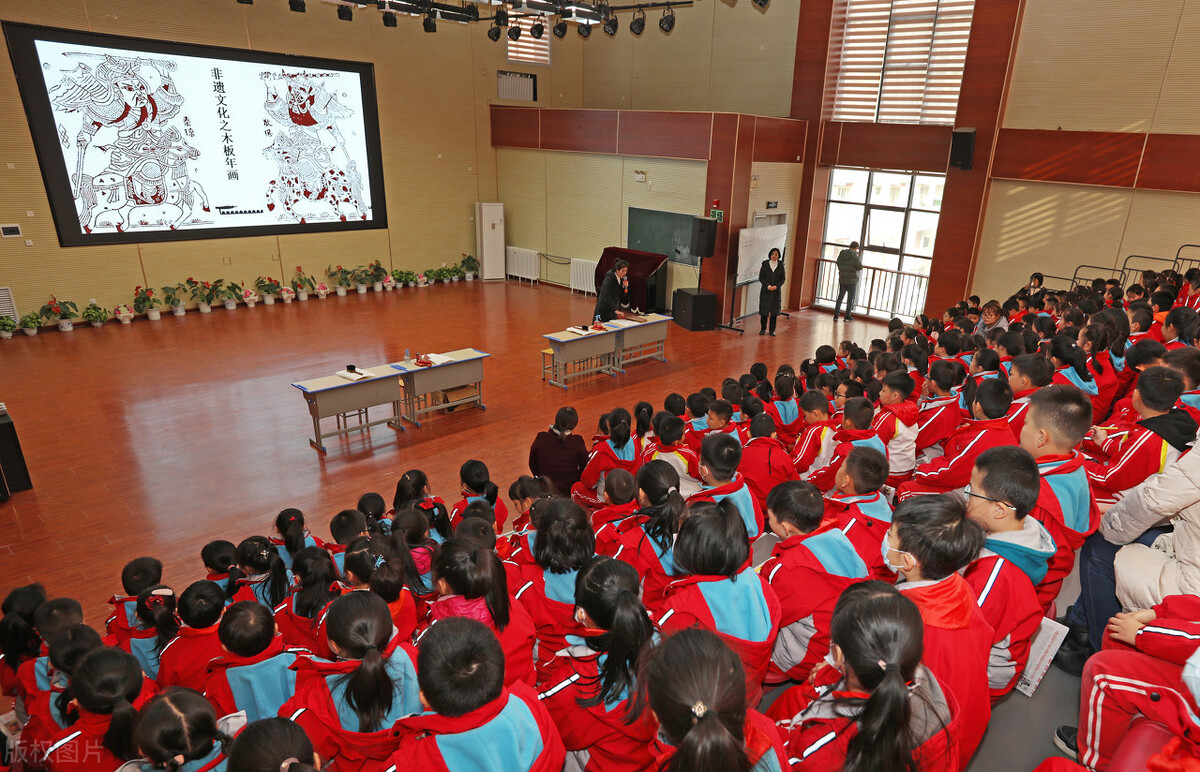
[(613, 291), (770, 298)]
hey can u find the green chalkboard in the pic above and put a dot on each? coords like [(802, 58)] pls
[(666, 233)]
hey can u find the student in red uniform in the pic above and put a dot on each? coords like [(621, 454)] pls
[(218, 557), (273, 745), (1176, 324), (886, 710), (862, 511), (619, 450), (647, 540), (183, 660), (1010, 345), (930, 540), (1016, 551), (103, 687), (1059, 418), (855, 432), (316, 585), (1029, 373), (720, 457), (472, 720), (522, 493), (720, 591), (413, 492), (815, 445), (669, 446), (694, 685), (1161, 303), (785, 410), (471, 582), (988, 429), (259, 574), (345, 527), (179, 730), (372, 565), (347, 707), (1095, 340), (412, 527), (765, 462), (158, 625), (718, 420), (590, 684), (565, 544), (808, 569), (895, 424), (916, 364), (938, 411), (1186, 361), (41, 683), (293, 536), (137, 575), (254, 673), (477, 485), (620, 499)]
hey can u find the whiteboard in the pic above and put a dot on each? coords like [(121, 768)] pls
[(753, 246)]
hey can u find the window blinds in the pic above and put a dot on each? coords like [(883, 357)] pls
[(527, 49)]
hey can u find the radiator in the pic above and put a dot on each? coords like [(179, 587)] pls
[(523, 263), (583, 276)]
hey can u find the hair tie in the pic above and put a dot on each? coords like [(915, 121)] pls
[(699, 709), (154, 601), (287, 763), (671, 490), (888, 666), (264, 553), (370, 647), (379, 561)]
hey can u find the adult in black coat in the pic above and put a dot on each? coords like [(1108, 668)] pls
[(613, 290), (770, 296)]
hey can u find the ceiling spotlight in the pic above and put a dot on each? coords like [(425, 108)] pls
[(611, 26), (345, 13), (585, 30), (501, 17), (430, 23), (297, 6), (514, 32), (637, 25), (761, 3), (389, 19), (245, 2), (560, 29), (667, 22), (537, 30), (493, 33), (472, 12)]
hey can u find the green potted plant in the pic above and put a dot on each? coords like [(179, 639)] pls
[(303, 284), (407, 278), (95, 315), (124, 313), (433, 275), (145, 302), (30, 323), (8, 325), (231, 293), (341, 278), (173, 297), (360, 277), (62, 311), (377, 274), (470, 266), (204, 293), (268, 287), (455, 272)]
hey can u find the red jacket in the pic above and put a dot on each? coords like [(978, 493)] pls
[(123, 622), (1018, 411), (38, 686), (613, 512), (785, 431), (846, 440), (765, 464), (512, 733), (550, 600), (1107, 383), (744, 612), (517, 639), (499, 508), (655, 565), (953, 470), (1011, 606), (764, 745), (865, 519), (808, 573), (1175, 634), (589, 491), (937, 419), (301, 631), (739, 493), (693, 437), (896, 426), (612, 744), (184, 660), (958, 641), (80, 747), (815, 447), (1068, 509)]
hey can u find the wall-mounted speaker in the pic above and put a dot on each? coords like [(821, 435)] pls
[(962, 149), (704, 236)]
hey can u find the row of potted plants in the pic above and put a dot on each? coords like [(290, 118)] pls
[(206, 293)]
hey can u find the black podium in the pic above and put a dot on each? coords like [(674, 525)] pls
[(14, 475)]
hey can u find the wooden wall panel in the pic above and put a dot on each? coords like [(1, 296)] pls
[(1086, 157), (1159, 223), (719, 187), (608, 66), (893, 146), (516, 126), (522, 189), (580, 217), (1178, 109), (675, 71), (672, 135), (1172, 162), (779, 141), (584, 131), (753, 53)]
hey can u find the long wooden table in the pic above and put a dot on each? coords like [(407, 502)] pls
[(637, 341), (620, 343)]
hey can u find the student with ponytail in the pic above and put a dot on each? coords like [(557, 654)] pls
[(558, 453), (1096, 341), (182, 661), (103, 688), (157, 627), (372, 564), (137, 575), (412, 492), (39, 682), (565, 544), (347, 707), (179, 731), (887, 712), (293, 536), (412, 527), (721, 592), (523, 492), (315, 584), (472, 583), (259, 574), (647, 540), (1070, 365), (520, 545), (621, 449), (590, 685), (273, 745), (19, 641), (218, 557), (695, 685), (477, 485)]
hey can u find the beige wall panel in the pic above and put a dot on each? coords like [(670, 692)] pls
[(522, 183), (1178, 108), (1160, 222), (583, 213), (1047, 227), (674, 72), (1090, 65), (170, 263), (205, 22), (753, 57), (608, 66), (70, 14), (316, 251)]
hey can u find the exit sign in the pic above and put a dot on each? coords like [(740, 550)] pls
[(717, 214)]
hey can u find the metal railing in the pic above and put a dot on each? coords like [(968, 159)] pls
[(1182, 264), (881, 293)]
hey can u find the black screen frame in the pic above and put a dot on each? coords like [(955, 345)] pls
[(21, 38)]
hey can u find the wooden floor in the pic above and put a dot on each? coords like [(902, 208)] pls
[(155, 437)]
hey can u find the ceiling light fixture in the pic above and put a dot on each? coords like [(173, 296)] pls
[(560, 30), (514, 33), (667, 22), (493, 33), (611, 26), (762, 3), (585, 30), (537, 30), (637, 25), (501, 17), (345, 13), (297, 6)]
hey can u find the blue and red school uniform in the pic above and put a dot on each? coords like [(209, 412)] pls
[(739, 493), (1150, 446), (468, 498), (764, 746), (38, 686), (789, 421), (1018, 411), (124, 621), (655, 563), (1067, 508), (815, 447), (184, 660), (605, 456), (937, 419), (285, 556), (258, 685), (896, 427), (80, 747), (613, 512), (865, 519), (953, 469), (517, 639), (550, 600), (693, 437), (299, 631), (846, 440), (765, 463)]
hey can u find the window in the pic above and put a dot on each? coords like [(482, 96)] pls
[(527, 49), (900, 61)]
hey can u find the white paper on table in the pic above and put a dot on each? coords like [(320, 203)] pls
[(357, 375), (624, 323), (580, 332), (439, 359), (1046, 640)]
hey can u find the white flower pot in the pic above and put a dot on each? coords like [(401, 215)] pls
[(302, 295), (230, 305), (205, 308), (179, 310), (321, 295), (96, 324), (341, 292), (470, 276), (453, 278), (362, 289), (29, 330), (268, 299), (251, 303), (65, 325), (153, 314), (379, 286), (5, 334), (288, 298), (125, 318)]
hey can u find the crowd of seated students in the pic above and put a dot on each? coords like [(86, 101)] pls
[(923, 500)]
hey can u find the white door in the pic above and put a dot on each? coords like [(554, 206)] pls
[(489, 219)]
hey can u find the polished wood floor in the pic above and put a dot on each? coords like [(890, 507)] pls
[(155, 437)]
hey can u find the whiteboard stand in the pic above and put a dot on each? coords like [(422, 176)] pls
[(763, 221)]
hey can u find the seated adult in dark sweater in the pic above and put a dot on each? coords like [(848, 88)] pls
[(558, 454)]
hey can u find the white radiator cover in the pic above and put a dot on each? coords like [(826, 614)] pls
[(523, 263), (583, 276), (8, 306)]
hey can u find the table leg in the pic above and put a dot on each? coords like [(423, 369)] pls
[(316, 443)]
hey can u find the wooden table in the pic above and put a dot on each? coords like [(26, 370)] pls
[(419, 384), (640, 340), (335, 396), (574, 356)]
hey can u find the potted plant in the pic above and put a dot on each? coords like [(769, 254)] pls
[(7, 326), (95, 315), (62, 311), (173, 297), (407, 278), (340, 277), (124, 313), (470, 266), (268, 288), (322, 290), (360, 277), (287, 294), (422, 280), (249, 297), (204, 293), (144, 302), (231, 293), (30, 323), (377, 274), (433, 275), (455, 272), (303, 284), (389, 282)]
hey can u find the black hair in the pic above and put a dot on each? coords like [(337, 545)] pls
[(347, 525), (619, 426), (1145, 350), (54, 615), (410, 489), (371, 505), (945, 374), (697, 404), (889, 362), (177, 722), (951, 342), (825, 355), (374, 563), (477, 531), (620, 263), (289, 523), (360, 624), (107, 681), (565, 420), (917, 356), (1063, 410), (219, 556), (476, 479), (671, 430), (1010, 474), (853, 388), (1160, 387), (867, 468), (1142, 317), (1037, 368), (762, 425), (721, 408), (140, 573), (798, 502), (255, 556), (480, 510), (709, 392), (318, 577), (675, 404), (565, 541), (785, 386), (1185, 361), (936, 532), (460, 666), (712, 540), (1063, 348), (759, 371), (659, 481), (156, 608), (814, 400), (721, 454), (201, 604), (900, 382), (1162, 300), (266, 746), (620, 487), (607, 590), (987, 359), (1012, 342), (690, 669), (643, 412), (1181, 318), (994, 397), (475, 573), (526, 487), (247, 628), (67, 650), (859, 411)]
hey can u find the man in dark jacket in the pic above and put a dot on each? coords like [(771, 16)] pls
[(613, 290), (849, 263)]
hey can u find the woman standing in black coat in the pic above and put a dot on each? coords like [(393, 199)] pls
[(770, 297)]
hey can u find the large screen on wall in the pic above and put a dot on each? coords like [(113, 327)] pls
[(143, 140)]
